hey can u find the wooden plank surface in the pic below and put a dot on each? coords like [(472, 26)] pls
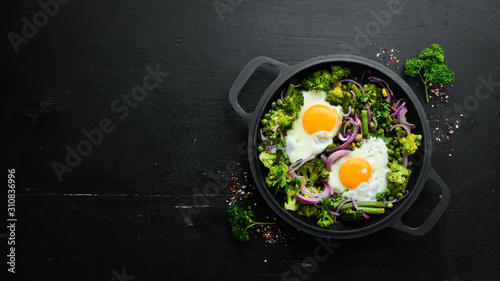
[(139, 206)]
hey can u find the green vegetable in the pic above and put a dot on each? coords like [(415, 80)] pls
[(324, 218), (267, 158), (429, 65), (322, 79), (336, 96), (364, 122), (410, 143), (398, 173), (277, 176), (357, 215), (313, 170), (307, 210), (240, 221), (291, 189)]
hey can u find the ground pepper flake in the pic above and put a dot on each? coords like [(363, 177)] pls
[(388, 55)]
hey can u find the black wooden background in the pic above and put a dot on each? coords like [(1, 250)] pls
[(138, 205)]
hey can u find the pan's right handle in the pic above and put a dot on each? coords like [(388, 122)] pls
[(435, 214), (243, 77)]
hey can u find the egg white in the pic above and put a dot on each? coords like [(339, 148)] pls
[(299, 144), (374, 151)]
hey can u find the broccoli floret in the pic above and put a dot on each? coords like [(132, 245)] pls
[(267, 158), (307, 210), (351, 215), (321, 80), (410, 144), (291, 189), (430, 62), (398, 173), (339, 72), (335, 96), (313, 170), (277, 176), (240, 221), (293, 101), (324, 218)]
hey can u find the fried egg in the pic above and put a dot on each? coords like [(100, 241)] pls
[(362, 172), (315, 128)]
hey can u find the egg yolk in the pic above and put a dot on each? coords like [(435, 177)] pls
[(319, 118), (355, 171)]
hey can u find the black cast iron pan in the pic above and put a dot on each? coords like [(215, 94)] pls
[(422, 170)]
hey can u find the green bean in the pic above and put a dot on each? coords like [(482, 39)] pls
[(364, 122)]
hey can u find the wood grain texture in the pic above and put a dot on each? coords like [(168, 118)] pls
[(141, 200)]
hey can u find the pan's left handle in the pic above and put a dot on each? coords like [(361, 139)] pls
[(243, 77)]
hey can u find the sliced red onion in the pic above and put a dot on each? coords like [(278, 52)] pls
[(298, 85), (351, 137), (348, 113), (402, 120), (297, 164), (303, 199), (304, 190), (341, 204), (366, 216), (276, 127), (331, 212), (354, 204), (398, 108), (262, 136), (334, 157), (353, 95), (404, 126), (282, 92), (342, 138), (326, 193)]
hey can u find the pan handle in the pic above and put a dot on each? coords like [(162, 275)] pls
[(436, 213), (243, 77)]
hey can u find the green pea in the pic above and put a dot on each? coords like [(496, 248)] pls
[(384, 125), (410, 163), (419, 137), (372, 124), (390, 186), (418, 143), (264, 121), (390, 151), (395, 142), (397, 154), (389, 206), (387, 192), (398, 129), (399, 195), (400, 160), (380, 197), (394, 121), (267, 116), (390, 198)]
